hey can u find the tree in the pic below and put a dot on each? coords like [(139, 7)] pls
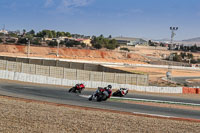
[(45, 33), (190, 56), (32, 32), (24, 32), (22, 41), (36, 41), (13, 34), (149, 42), (1, 34), (53, 33), (53, 43), (177, 58), (126, 49), (60, 34), (183, 54), (68, 34), (101, 42), (101, 36), (97, 46)]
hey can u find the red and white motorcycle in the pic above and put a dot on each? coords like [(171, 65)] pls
[(121, 92), (77, 87)]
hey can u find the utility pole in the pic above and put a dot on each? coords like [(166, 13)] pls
[(29, 43), (170, 65), (173, 29), (28, 47), (4, 34), (58, 41)]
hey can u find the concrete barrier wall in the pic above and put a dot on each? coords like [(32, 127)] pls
[(173, 63), (89, 84), (165, 66), (65, 64), (74, 74)]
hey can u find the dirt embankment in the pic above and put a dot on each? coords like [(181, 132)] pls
[(73, 53)]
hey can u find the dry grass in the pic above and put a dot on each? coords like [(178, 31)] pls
[(19, 116)]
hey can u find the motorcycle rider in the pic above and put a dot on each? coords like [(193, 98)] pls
[(107, 92)]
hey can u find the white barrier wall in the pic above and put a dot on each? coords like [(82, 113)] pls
[(164, 66), (89, 84)]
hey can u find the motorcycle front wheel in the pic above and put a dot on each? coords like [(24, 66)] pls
[(72, 89)]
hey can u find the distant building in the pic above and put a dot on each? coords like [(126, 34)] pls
[(4, 31), (86, 41), (130, 41)]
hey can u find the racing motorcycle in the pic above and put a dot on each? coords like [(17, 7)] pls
[(99, 95), (77, 88), (121, 92)]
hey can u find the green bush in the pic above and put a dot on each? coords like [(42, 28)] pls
[(22, 41), (126, 49), (101, 42), (52, 43)]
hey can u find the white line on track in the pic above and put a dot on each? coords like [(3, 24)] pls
[(157, 101), (166, 116), (85, 96), (149, 100)]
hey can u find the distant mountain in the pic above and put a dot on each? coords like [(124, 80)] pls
[(197, 39)]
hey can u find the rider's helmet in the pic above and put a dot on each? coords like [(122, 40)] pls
[(109, 86)]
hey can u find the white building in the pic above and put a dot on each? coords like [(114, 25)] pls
[(130, 41), (4, 31)]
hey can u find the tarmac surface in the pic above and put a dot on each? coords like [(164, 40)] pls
[(60, 95), (183, 80)]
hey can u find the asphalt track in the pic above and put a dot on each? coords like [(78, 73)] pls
[(183, 80), (61, 95)]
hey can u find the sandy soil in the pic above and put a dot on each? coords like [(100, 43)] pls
[(29, 116), (159, 52)]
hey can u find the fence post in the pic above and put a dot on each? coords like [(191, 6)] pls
[(21, 67), (90, 76), (125, 78), (147, 80), (136, 79), (49, 71), (76, 74), (35, 69), (70, 65), (63, 73), (102, 76), (6, 65), (83, 66), (114, 78)]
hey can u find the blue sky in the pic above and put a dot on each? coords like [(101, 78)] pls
[(133, 18)]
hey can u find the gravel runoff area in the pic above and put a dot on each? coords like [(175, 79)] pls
[(26, 116)]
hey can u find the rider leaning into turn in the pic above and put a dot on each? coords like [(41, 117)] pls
[(108, 91)]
